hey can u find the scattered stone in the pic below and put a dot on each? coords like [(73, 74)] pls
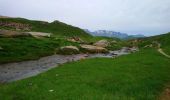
[(102, 43), (51, 90), (69, 50), (15, 25), (9, 33), (94, 49), (75, 39), (148, 46), (39, 34), (1, 48), (113, 41)]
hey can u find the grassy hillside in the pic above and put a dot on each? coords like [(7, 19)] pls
[(163, 39), (139, 76), (56, 27), (27, 47)]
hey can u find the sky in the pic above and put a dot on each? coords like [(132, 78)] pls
[(148, 17)]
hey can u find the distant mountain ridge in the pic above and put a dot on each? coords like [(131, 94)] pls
[(113, 34)]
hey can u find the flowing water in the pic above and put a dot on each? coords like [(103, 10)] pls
[(20, 70)]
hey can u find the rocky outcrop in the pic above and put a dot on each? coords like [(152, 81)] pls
[(75, 39), (17, 26), (39, 34), (93, 49), (102, 43), (9, 33), (69, 50)]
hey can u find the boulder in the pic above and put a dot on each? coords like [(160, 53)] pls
[(69, 50), (9, 33), (94, 49), (102, 43), (39, 34), (1, 48), (114, 41), (75, 39)]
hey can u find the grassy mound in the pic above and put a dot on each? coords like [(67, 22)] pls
[(139, 76)]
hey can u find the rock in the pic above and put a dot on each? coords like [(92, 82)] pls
[(75, 39), (69, 50), (148, 46), (113, 41), (94, 49), (9, 33), (15, 25), (39, 34), (102, 43), (1, 48)]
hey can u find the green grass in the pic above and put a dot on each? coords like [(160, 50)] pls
[(56, 27), (164, 39), (26, 48), (139, 76)]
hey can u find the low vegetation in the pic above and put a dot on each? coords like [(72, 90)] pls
[(164, 41), (139, 76), (25, 48)]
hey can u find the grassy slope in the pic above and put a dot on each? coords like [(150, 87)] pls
[(139, 76), (56, 27), (163, 39), (25, 48)]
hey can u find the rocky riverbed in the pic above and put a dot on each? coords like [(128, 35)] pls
[(20, 70)]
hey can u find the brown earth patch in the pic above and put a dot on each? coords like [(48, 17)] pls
[(166, 94)]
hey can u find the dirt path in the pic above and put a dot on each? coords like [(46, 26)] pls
[(166, 94), (161, 51)]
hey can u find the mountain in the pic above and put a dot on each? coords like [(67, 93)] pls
[(113, 34)]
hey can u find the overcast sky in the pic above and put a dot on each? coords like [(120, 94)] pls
[(148, 17)]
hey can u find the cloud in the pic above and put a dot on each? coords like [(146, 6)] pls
[(147, 17)]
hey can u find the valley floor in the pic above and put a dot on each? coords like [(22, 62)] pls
[(139, 76)]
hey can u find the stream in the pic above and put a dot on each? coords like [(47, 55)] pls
[(20, 70)]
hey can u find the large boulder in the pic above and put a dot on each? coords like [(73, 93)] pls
[(102, 43), (93, 49), (9, 33), (69, 50), (39, 34)]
